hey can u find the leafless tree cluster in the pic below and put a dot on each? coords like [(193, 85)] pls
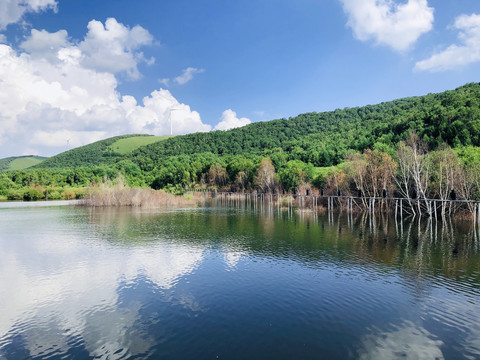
[(415, 174), (266, 179)]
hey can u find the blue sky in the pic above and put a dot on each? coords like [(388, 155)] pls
[(71, 76)]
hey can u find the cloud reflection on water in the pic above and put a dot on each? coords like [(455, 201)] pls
[(61, 288), (406, 341)]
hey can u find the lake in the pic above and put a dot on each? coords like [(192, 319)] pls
[(235, 283)]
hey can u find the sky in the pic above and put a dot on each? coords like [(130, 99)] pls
[(74, 72)]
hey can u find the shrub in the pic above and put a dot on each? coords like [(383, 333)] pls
[(32, 194), (54, 195), (79, 193), (15, 195), (68, 195)]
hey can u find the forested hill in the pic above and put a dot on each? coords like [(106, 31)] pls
[(451, 117), (322, 139)]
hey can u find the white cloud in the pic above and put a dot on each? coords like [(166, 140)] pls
[(165, 82), (157, 111), (187, 75), (457, 55), (113, 47), (11, 11), (386, 22), (42, 44), (52, 94), (3, 39), (230, 120)]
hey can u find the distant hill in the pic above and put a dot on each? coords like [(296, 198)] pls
[(101, 152), (20, 162)]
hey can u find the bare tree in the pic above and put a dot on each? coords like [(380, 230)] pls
[(265, 179), (414, 170), (372, 172), (217, 175), (467, 180), (240, 181), (356, 167), (447, 174)]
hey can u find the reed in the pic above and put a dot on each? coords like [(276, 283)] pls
[(119, 194)]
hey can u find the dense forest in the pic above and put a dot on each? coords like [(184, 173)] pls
[(331, 151)]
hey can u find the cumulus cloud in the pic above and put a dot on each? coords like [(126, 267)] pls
[(229, 120), (112, 47), (457, 55), (386, 22), (3, 39), (11, 11), (55, 91), (42, 44), (187, 75)]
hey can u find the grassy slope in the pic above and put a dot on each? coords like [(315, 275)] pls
[(127, 145), (105, 151), (26, 162), (20, 162)]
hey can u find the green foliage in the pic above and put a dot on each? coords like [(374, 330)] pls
[(295, 173), (6, 184), (321, 174), (15, 194), (32, 194), (469, 155)]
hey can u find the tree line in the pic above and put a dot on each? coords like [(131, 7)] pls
[(411, 171)]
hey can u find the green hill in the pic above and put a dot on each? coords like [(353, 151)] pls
[(20, 162), (105, 151), (323, 139)]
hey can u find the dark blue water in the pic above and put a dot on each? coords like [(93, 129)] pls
[(231, 283)]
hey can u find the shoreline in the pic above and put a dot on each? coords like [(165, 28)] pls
[(28, 204)]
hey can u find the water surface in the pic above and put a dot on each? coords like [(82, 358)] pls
[(234, 283)]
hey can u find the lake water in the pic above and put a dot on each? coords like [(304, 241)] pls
[(223, 282)]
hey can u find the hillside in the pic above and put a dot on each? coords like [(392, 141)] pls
[(451, 117), (105, 151), (322, 139), (20, 162)]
